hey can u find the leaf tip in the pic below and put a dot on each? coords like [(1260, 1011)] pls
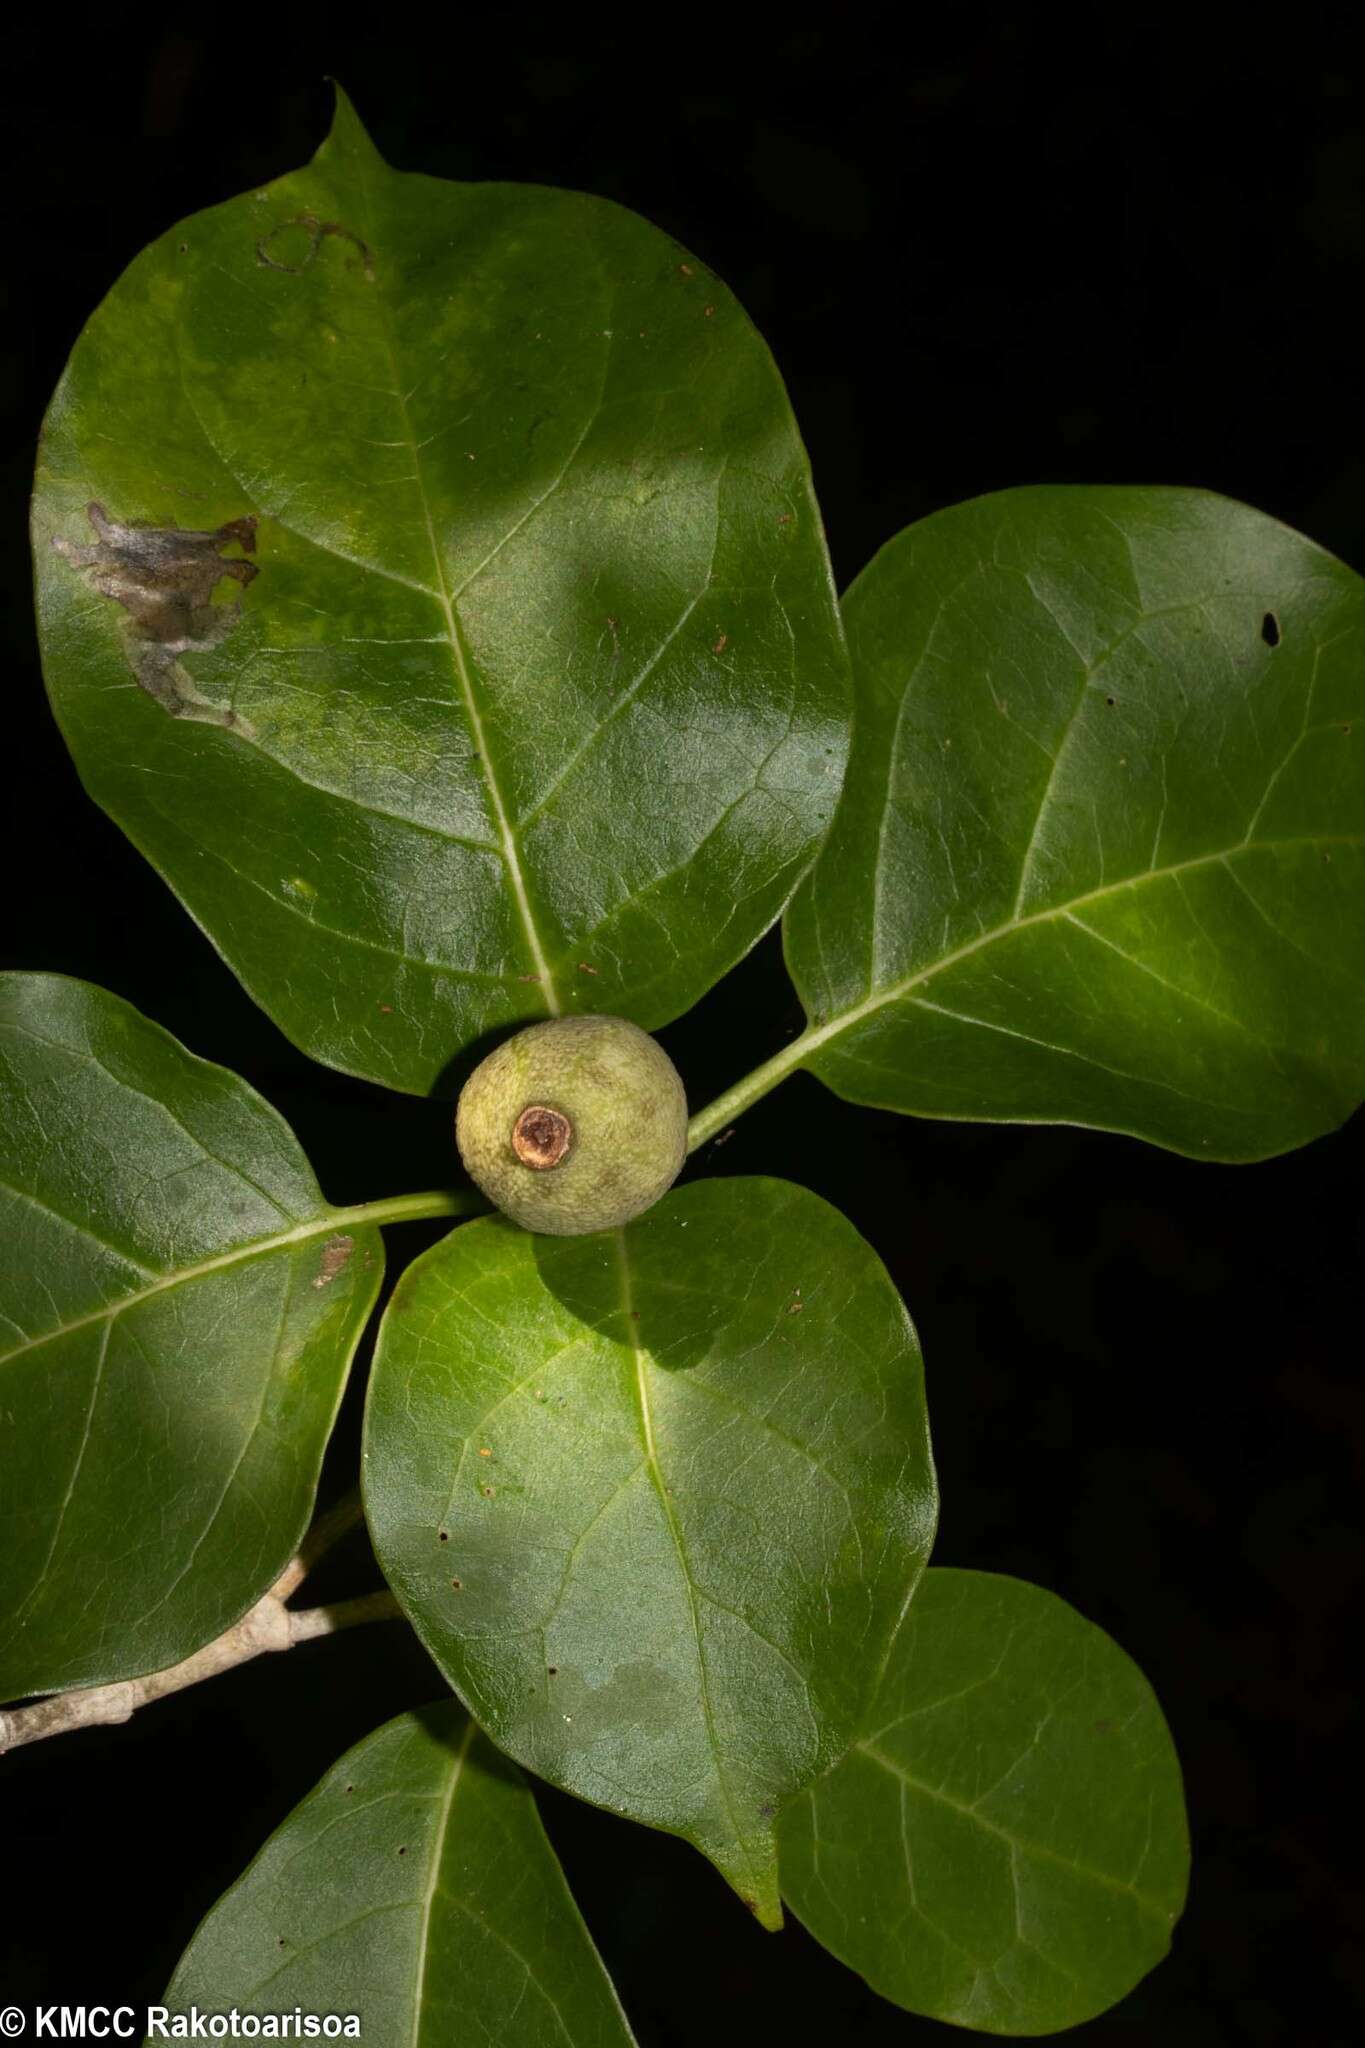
[(768, 1913), (750, 1869), (348, 139)]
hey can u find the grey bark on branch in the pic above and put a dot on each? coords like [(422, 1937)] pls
[(269, 1625)]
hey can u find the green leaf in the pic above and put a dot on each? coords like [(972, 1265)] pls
[(1099, 858), (501, 673), (1007, 1848), (414, 1888), (178, 1313), (655, 1500)]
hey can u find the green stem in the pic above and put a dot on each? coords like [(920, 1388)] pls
[(414, 1208), (711, 1121)]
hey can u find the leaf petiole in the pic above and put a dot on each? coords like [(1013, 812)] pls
[(708, 1123), (431, 1202)]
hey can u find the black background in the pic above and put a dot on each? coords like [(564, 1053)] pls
[(989, 257)]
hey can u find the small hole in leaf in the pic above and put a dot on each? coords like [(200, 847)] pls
[(1111, 702), (402, 1852), (1270, 630), (553, 1670), (458, 1585), (350, 1788), (443, 1535)]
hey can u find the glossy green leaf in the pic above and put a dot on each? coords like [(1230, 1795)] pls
[(177, 1314), (415, 1889), (501, 672), (655, 1500), (1007, 1848), (1100, 857)]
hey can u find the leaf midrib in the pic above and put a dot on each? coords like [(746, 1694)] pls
[(464, 680), (821, 1034), (260, 1247), (670, 1517), (434, 1879)]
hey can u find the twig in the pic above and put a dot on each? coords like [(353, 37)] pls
[(313, 1622), (269, 1625), (324, 1535)]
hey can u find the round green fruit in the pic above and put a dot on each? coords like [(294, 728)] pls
[(576, 1125)]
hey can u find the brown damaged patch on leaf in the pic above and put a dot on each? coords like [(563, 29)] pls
[(335, 1255), (164, 577), (271, 249)]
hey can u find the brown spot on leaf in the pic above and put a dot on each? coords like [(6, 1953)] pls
[(164, 577), (335, 1255)]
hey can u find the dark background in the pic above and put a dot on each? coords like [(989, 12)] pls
[(989, 258)]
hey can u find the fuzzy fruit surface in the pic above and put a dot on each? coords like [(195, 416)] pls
[(623, 1101)]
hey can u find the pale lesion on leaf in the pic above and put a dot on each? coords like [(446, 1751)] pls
[(165, 577)]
